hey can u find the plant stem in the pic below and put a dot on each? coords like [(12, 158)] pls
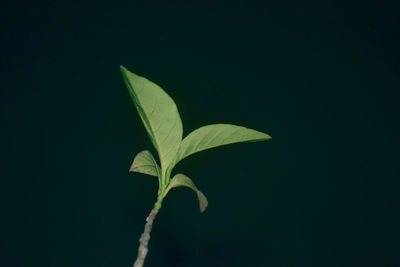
[(144, 239)]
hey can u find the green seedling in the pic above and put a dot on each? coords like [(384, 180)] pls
[(163, 124)]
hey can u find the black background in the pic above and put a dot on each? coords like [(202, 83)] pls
[(321, 78)]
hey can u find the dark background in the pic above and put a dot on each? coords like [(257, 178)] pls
[(321, 78)]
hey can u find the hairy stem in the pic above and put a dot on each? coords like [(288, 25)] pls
[(144, 239)]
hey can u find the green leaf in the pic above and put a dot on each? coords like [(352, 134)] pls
[(159, 115), (144, 162), (217, 135), (183, 180)]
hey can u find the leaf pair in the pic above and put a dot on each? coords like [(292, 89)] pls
[(144, 162), (163, 124)]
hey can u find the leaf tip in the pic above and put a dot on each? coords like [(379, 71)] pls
[(133, 169), (203, 207), (124, 71), (203, 202), (264, 136)]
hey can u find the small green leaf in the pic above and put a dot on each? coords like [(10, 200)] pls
[(159, 115), (183, 180), (144, 162), (217, 135)]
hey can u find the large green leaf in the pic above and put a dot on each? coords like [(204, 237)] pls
[(183, 180), (217, 135), (159, 115), (144, 162)]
